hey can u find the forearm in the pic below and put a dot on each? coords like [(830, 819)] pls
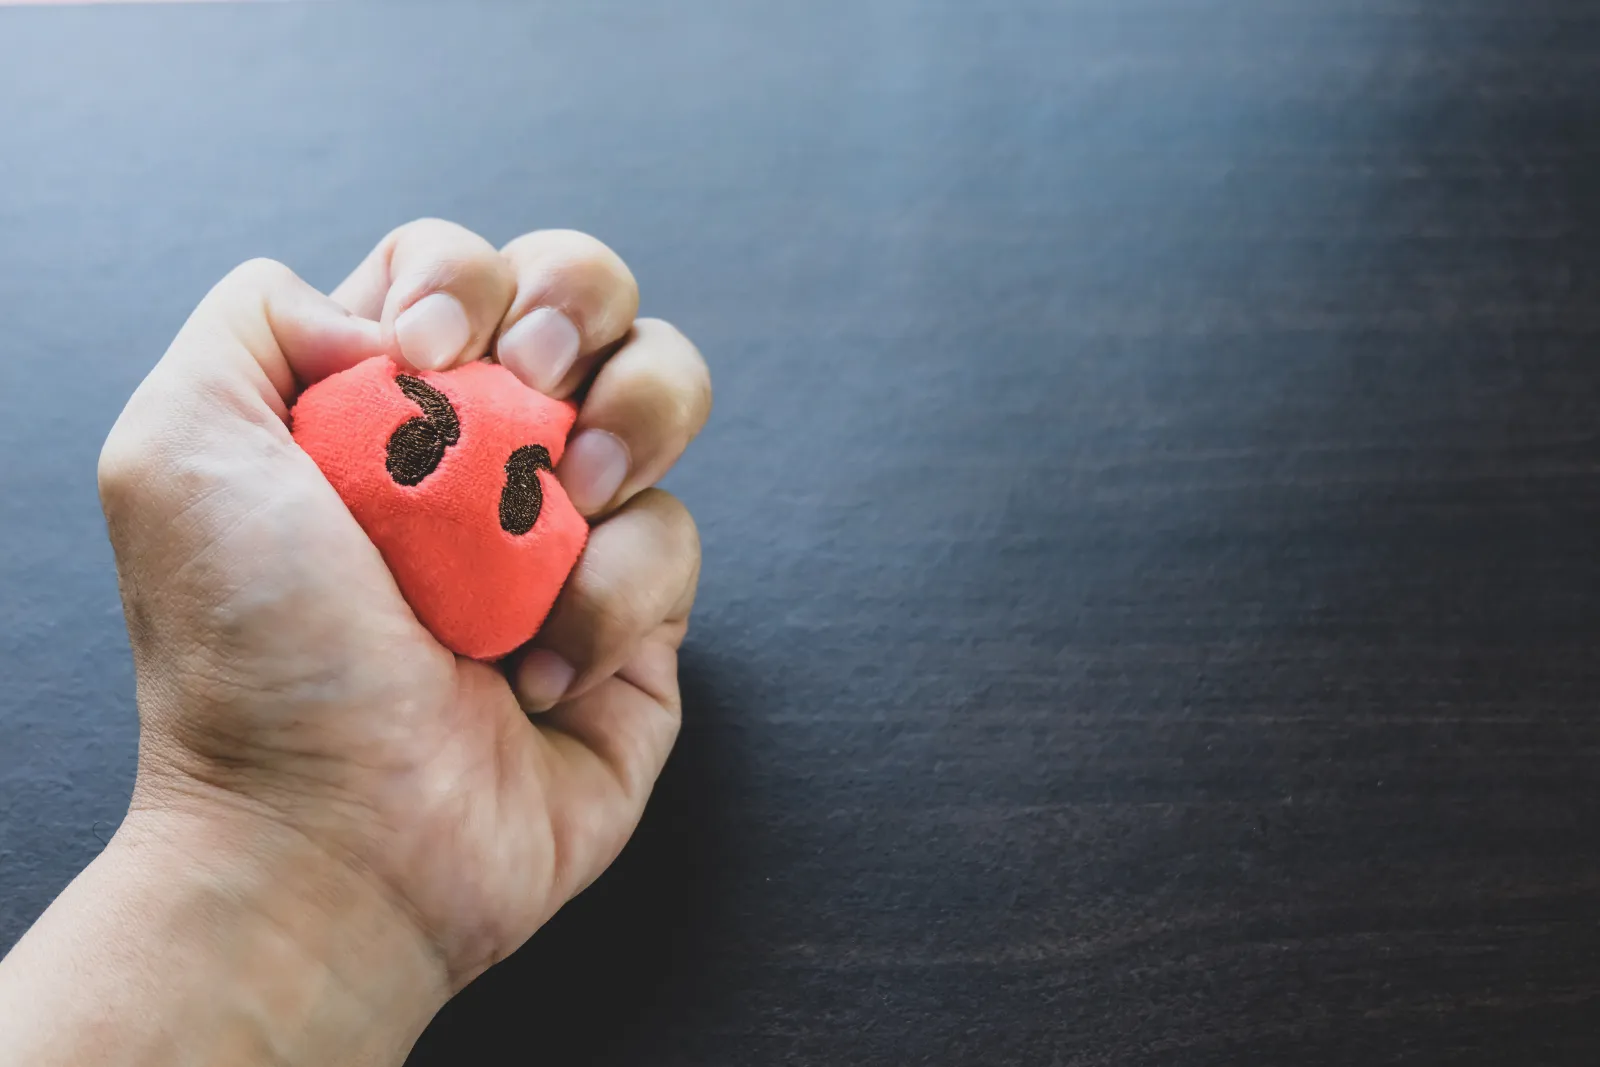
[(190, 941)]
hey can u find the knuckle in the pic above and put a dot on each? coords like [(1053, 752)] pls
[(612, 612), (427, 226), (701, 398), (455, 261), (119, 470), (676, 389), (572, 246), (590, 273), (671, 396), (661, 334), (129, 456), (678, 533), (434, 252), (260, 273), (623, 590)]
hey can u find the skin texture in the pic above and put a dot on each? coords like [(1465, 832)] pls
[(336, 823)]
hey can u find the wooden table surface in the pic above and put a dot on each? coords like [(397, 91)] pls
[(1151, 609)]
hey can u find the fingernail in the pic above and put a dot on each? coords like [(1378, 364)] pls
[(540, 348), (433, 331), (542, 679), (593, 469)]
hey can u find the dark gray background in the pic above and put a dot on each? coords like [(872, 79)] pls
[(1152, 602)]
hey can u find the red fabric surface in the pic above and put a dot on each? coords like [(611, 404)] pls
[(480, 589)]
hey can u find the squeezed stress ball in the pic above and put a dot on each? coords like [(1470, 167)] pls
[(450, 476)]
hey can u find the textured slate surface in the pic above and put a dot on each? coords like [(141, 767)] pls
[(1152, 609)]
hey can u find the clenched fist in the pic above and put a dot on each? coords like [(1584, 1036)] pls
[(322, 787)]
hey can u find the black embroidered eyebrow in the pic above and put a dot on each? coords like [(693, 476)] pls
[(523, 497), (418, 444), (434, 404)]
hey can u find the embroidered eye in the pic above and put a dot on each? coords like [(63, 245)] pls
[(522, 497), (417, 446)]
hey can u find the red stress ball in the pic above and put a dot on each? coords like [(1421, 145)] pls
[(450, 476)]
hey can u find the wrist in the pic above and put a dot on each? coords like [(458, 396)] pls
[(328, 957), (222, 937)]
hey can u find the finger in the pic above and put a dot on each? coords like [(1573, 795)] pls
[(609, 746), (646, 404), (439, 289), (257, 337), (638, 572), (575, 297)]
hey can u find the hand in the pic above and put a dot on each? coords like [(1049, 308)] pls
[(283, 682)]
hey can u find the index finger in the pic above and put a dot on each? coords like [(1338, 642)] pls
[(439, 290)]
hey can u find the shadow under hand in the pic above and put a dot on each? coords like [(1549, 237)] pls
[(626, 956)]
